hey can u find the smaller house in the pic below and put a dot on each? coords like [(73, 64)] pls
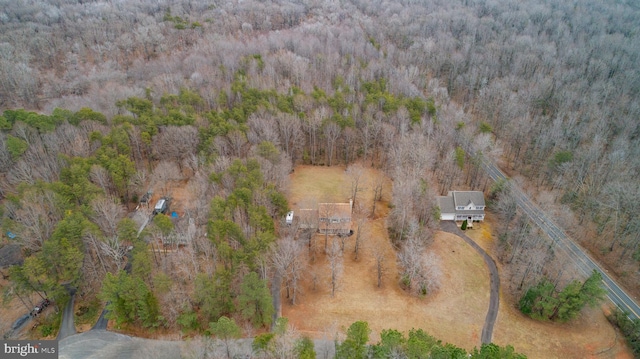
[(462, 205)]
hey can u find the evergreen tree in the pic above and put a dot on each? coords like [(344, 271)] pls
[(305, 348), (355, 346), (255, 300), (226, 330)]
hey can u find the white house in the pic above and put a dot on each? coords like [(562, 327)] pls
[(461, 205)]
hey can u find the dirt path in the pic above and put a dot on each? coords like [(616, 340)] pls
[(494, 299)]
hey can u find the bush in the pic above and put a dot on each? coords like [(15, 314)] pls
[(88, 313), (464, 225), (629, 328)]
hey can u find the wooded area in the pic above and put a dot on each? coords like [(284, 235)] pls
[(224, 98)]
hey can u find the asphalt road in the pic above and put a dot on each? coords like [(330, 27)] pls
[(67, 327), (494, 297), (102, 322), (582, 260)]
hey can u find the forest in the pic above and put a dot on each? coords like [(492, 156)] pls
[(102, 100)]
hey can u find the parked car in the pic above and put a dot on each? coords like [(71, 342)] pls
[(40, 307)]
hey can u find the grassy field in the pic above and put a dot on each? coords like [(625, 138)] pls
[(454, 314)]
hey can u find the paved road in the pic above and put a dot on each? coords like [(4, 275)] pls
[(67, 327), (582, 260), (102, 322), (494, 298)]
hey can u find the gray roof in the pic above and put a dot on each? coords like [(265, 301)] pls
[(469, 212), (446, 204), (462, 198)]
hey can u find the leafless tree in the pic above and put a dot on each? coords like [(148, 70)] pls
[(291, 135), (421, 273), (312, 125), (175, 143), (165, 173), (379, 266), (107, 212), (356, 174), (111, 247), (101, 178), (236, 140), (286, 259), (335, 262), (37, 215), (331, 134), (377, 185), (361, 236)]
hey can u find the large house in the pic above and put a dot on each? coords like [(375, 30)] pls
[(462, 205), (328, 218), (334, 218)]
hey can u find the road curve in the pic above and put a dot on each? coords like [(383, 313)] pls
[(582, 260), (494, 298)]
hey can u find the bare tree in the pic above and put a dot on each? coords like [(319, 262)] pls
[(361, 236), (379, 266), (378, 183), (111, 247), (311, 125), (291, 135), (335, 261), (331, 134), (421, 273), (101, 177), (164, 173), (356, 174), (37, 215), (286, 259), (107, 212)]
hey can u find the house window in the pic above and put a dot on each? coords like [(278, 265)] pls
[(460, 207), (335, 220)]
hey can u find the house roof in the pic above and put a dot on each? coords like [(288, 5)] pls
[(469, 211), (462, 198), (334, 210), (446, 204), (334, 216)]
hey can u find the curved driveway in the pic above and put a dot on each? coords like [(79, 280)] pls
[(494, 298)]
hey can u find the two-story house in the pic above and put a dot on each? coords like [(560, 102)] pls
[(461, 205)]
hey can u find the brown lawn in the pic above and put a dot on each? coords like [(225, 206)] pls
[(455, 313)]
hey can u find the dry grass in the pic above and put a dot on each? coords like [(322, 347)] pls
[(588, 336), (454, 314)]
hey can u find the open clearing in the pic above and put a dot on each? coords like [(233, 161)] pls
[(454, 314)]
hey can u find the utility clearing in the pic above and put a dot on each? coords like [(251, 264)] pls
[(454, 314)]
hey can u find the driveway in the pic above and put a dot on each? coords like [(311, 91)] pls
[(494, 298)]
